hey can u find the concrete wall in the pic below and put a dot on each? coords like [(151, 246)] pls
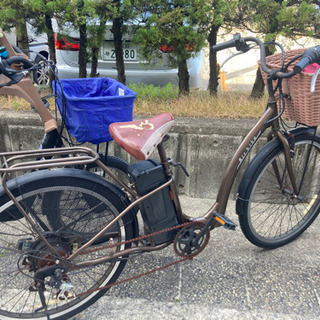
[(204, 146)]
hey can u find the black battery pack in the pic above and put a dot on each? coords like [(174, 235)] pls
[(158, 211)]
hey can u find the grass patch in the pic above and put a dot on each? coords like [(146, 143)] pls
[(155, 93), (199, 104), (152, 100)]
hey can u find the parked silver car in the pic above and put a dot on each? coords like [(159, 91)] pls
[(67, 48), (67, 52)]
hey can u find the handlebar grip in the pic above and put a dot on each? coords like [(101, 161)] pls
[(17, 59), (224, 45), (310, 56), (14, 75), (228, 44)]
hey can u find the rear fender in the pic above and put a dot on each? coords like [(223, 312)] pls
[(28, 182)]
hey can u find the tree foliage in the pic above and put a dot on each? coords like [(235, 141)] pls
[(14, 15), (181, 28), (173, 27), (272, 18)]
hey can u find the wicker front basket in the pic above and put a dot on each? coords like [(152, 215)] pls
[(302, 106)]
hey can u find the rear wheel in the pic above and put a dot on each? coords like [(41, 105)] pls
[(117, 165), (82, 207), (271, 214)]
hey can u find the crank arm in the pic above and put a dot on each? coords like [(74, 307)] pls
[(222, 219)]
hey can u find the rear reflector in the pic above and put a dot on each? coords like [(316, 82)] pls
[(167, 49), (70, 44)]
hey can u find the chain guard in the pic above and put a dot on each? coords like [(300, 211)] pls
[(185, 243)]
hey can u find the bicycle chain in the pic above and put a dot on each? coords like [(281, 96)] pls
[(146, 236), (190, 257)]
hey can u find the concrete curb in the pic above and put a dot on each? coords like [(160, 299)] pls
[(204, 146)]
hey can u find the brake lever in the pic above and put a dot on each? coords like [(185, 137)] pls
[(241, 45), (244, 48)]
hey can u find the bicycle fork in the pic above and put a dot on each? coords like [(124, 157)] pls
[(289, 156)]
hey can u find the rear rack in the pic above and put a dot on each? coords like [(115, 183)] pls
[(41, 159), (45, 159)]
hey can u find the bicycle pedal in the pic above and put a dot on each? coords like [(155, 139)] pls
[(224, 221)]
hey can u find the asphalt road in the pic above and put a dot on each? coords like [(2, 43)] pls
[(231, 279)]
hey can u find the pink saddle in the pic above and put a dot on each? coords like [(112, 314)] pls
[(139, 138)]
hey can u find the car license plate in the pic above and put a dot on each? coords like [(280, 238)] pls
[(109, 53)]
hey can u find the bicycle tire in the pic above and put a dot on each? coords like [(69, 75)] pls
[(41, 76), (270, 217), (78, 194)]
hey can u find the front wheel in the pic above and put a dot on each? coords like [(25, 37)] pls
[(270, 215), (80, 203)]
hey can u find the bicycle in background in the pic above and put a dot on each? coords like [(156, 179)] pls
[(15, 66)]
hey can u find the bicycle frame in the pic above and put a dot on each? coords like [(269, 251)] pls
[(267, 120)]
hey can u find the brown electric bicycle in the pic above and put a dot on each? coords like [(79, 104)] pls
[(67, 233)]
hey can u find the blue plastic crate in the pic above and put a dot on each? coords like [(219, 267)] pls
[(91, 105)]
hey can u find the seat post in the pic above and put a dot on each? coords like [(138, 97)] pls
[(162, 152), (169, 174)]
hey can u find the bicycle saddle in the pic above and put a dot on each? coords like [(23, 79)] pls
[(139, 138)]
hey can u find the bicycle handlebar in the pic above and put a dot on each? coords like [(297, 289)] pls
[(5, 65), (310, 56), (15, 75), (27, 64), (229, 44), (19, 84)]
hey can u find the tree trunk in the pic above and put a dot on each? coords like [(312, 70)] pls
[(83, 46), (184, 76), (22, 35), (117, 40), (94, 63), (213, 64), (258, 87), (52, 50), (95, 49), (83, 51)]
